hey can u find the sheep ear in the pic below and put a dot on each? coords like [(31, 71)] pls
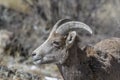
[(70, 39)]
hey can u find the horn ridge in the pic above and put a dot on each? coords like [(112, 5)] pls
[(61, 21), (71, 26)]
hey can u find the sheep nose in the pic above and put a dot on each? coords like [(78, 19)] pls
[(33, 54)]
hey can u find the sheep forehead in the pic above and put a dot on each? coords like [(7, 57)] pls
[(56, 37)]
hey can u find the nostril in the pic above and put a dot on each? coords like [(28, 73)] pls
[(33, 54)]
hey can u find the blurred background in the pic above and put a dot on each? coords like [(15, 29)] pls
[(25, 24)]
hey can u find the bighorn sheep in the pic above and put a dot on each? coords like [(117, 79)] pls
[(100, 62)]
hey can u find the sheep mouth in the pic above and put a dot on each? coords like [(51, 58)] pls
[(37, 61), (43, 61)]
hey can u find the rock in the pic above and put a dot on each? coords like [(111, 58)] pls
[(5, 40), (12, 74), (10, 45), (11, 49)]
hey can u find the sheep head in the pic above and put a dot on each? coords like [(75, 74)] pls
[(61, 38)]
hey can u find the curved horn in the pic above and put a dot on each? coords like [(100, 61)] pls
[(71, 26), (61, 21)]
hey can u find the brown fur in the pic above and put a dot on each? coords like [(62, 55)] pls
[(93, 63), (100, 62)]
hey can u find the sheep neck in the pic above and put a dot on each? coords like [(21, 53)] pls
[(75, 67)]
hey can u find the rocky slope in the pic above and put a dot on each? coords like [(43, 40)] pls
[(23, 23)]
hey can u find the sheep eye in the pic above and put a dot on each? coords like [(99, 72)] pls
[(56, 43)]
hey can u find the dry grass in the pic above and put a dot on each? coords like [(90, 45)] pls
[(18, 5)]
